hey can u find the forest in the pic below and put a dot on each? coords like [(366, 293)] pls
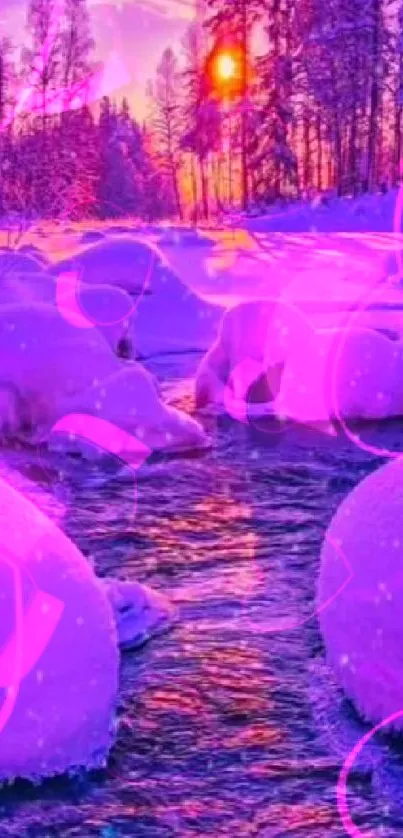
[(310, 106)]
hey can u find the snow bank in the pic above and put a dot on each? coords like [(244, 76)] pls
[(35, 252), (59, 655), (366, 213), (361, 619)]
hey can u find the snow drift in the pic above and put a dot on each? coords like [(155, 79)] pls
[(360, 594)]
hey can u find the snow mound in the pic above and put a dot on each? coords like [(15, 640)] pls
[(59, 653), (129, 402), (13, 262), (302, 369), (108, 308), (50, 368), (129, 262), (360, 594), (35, 252), (173, 319)]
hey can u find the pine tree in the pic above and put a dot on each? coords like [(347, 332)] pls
[(167, 121)]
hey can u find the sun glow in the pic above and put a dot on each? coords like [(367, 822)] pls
[(226, 67)]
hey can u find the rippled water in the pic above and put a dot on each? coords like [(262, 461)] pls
[(227, 728)]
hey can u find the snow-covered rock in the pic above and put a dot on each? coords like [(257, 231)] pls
[(140, 612), (173, 319), (355, 374), (250, 331), (360, 594), (51, 369), (58, 649)]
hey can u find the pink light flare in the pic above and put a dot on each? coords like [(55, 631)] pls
[(281, 624), (103, 81), (338, 346), (66, 301), (285, 316), (107, 438)]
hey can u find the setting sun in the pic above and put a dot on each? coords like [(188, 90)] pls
[(226, 66)]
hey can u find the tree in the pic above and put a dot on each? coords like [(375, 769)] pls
[(167, 121), (237, 19)]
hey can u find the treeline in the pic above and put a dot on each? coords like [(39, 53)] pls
[(319, 110), (58, 161)]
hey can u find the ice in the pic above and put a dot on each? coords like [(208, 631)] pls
[(59, 651), (360, 594)]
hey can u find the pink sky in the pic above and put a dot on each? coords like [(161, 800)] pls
[(138, 30)]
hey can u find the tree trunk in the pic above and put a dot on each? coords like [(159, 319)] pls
[(194, 187), (374, 95), (244, 115), (204, 187)]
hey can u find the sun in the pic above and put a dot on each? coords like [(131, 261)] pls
[(226, 67)]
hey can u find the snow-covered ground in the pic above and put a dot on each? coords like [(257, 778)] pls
[(289, 281)]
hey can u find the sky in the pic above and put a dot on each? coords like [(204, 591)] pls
[(136, 30)]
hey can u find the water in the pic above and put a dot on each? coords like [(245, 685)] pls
[(227, 729)]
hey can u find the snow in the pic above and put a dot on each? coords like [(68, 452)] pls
[(14, 262), (107, 307), (173, 318), (92, 236), (360, 619), (129, 402), (139, 611), (50, 368), (59, 653), (366, 213), (127, 261), (319, 363)]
